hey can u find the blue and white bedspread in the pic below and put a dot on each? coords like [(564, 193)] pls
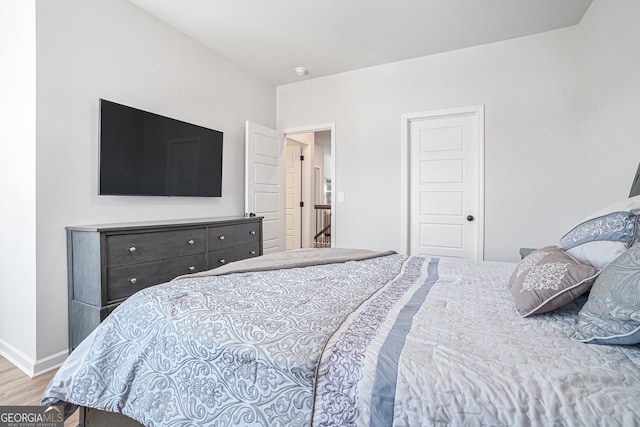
[(392, 340)]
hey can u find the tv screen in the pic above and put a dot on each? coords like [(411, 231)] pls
[(145, 154)]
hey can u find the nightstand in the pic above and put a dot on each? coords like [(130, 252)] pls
[(525, 251)]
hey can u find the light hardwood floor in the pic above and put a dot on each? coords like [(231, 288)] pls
[(16, 388)]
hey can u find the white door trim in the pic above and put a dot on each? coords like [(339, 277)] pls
[(406, 119), (317, 128)]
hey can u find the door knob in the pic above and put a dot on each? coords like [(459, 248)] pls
[(469, 218)]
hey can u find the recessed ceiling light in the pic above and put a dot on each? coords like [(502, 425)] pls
[(301, 71)]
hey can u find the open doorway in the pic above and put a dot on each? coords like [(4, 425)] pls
[(310, 211)]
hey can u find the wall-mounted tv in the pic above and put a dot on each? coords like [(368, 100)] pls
[(145, 154)]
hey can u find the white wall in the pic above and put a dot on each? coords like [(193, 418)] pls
[(18, 180), (111, 49), (527, 87), (609, 99), (541, 169)]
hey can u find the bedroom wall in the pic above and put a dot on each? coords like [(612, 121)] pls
[(111, 49), (527, 86), (553, 111), (608, 102), (18, 179)]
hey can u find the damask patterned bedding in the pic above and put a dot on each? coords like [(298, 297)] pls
[(385, 340)]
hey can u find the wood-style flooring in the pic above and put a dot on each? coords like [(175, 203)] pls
[(16, 388)]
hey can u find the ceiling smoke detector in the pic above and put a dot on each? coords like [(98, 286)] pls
[(301, 71)]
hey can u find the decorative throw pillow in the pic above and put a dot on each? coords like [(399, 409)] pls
[(604, 235), (612, 312), (549, 278)]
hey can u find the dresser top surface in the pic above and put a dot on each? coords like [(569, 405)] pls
[(122, 226)]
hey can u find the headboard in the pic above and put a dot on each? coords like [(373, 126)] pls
[(635, 186)]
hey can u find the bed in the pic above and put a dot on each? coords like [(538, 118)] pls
[(338, 337)]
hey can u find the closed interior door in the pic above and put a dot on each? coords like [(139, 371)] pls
[(445, 215), (264, 183)]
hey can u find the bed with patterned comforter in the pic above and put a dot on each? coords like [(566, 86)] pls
[(382, 340)]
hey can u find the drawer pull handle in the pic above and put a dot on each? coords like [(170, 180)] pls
[(221, 237), (191, 242), (252, 252), (192, 268), (252, 232), (222, 261), (133, 280), (132, 249)]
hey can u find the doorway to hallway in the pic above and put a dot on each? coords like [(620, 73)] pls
[(310, 213)]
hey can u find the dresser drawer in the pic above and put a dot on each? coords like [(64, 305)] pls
[(225, 256), (144, 247), (228, 236), (123, 282)]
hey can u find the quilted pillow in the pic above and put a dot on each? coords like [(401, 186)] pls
[(604, 235), (549, 278), (611, 315)]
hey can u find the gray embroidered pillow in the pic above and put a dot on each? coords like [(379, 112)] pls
[(600, 240), (612, 312), (604, 235), (549, 278)]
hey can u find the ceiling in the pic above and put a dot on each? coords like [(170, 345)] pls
[(270, 38)]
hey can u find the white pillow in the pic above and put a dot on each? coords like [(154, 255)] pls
[(597, 254)]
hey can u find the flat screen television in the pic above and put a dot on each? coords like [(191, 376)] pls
[(146, 154)]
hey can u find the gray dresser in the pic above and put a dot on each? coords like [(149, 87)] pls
[(108, 263)]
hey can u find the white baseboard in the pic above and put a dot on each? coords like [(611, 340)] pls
[(28, 365), (50, 363), (18, 358)]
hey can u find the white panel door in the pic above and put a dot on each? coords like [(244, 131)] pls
[(265, 183), (445, 215), (293, 182)]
